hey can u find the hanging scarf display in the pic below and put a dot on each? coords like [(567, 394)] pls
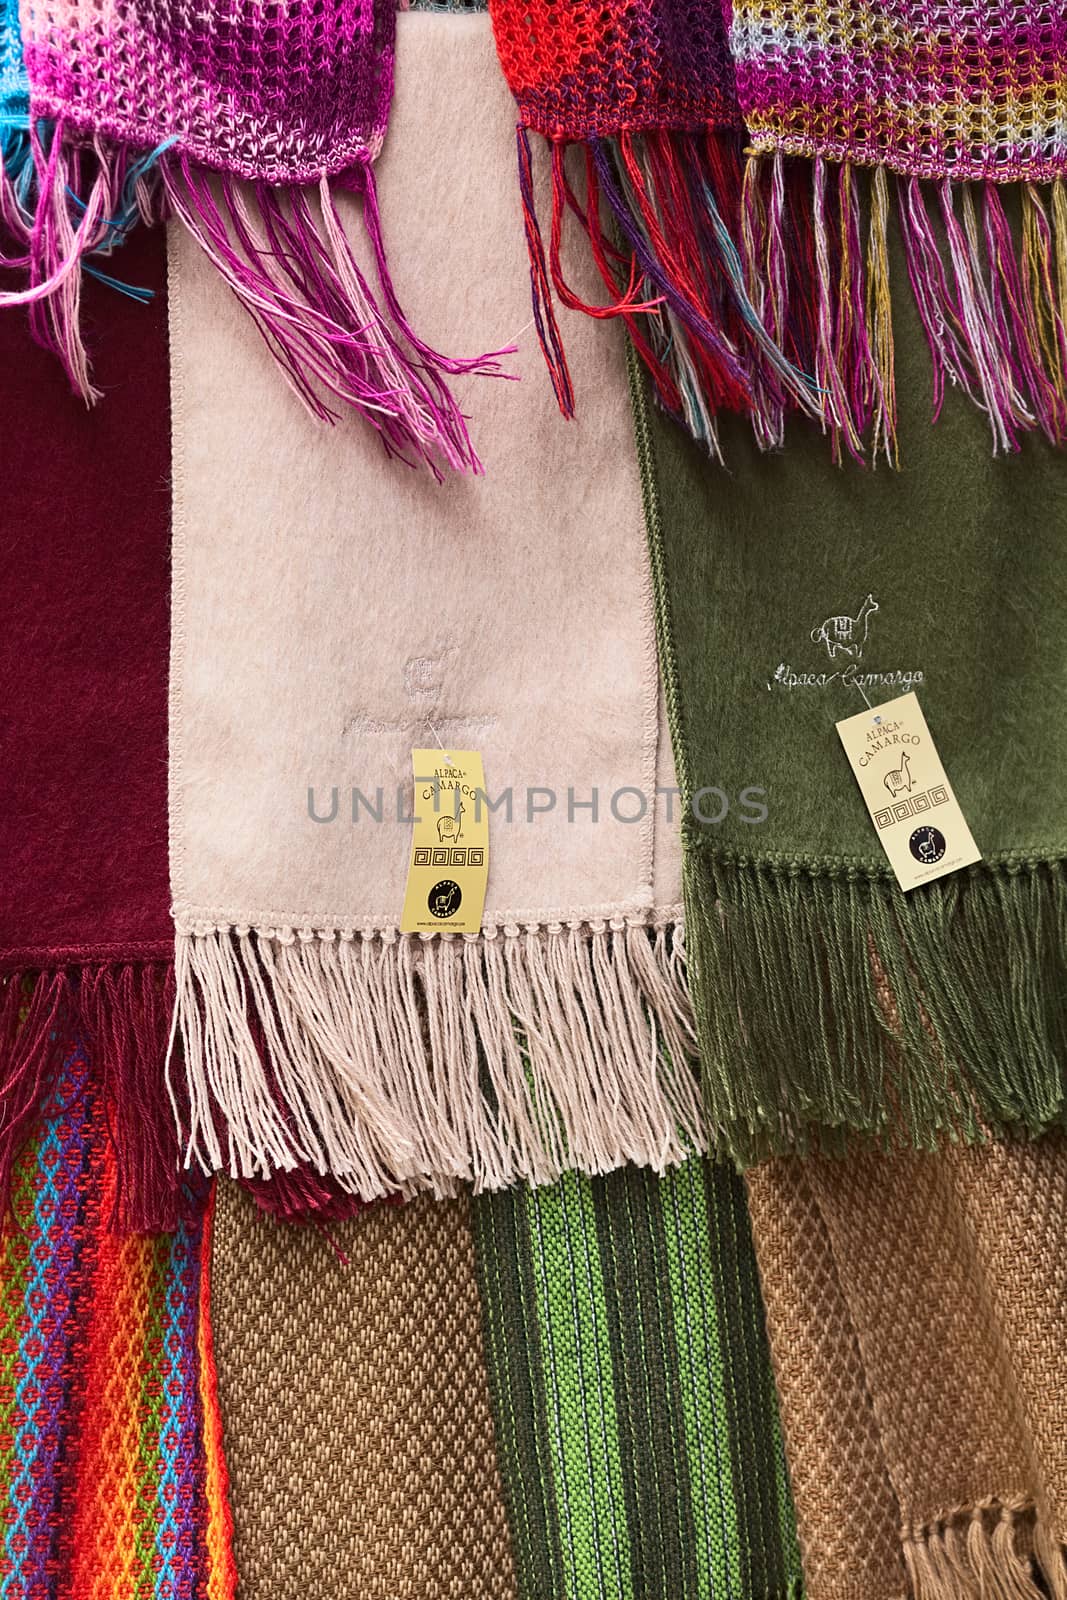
[(85, 944), (112, 1477), (829, 1001), (358, 1431), (368, 612), (246, 125), (749, 166), (917, 1309), (632, 1389), (86, 941), (646, 94)]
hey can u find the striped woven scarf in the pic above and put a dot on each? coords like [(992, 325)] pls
[(635, 1408), (112, 1479)]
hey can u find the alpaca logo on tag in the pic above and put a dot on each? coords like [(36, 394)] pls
[(444, 899), (922, 829), (448, 861), (845, 639), (845, 634)]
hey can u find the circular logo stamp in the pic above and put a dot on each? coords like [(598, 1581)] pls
[(444, 899), (927, 845)]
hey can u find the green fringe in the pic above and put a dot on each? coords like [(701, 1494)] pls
[(964, 1036)]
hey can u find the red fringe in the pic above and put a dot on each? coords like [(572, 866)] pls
[(120, 1013)]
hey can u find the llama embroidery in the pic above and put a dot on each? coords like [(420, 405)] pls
[(846, 633), (451, 827), (899, 780)]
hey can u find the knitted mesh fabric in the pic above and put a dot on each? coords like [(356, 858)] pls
[(632, 66), (14, 84), (283, 93), (129, 97), (754, 285), (933, 88)]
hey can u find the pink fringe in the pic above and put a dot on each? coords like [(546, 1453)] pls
[(297, 275), (54, 239)]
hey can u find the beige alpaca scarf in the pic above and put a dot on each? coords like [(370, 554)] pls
[(917, 1310), (334, 610)]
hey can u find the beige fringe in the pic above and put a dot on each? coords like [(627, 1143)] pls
[(988, 1552), (397, 1061)]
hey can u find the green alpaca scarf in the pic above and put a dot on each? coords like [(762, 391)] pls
[(790, 593), (634, 1402)]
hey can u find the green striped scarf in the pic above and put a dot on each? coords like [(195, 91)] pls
[(633, 1396)]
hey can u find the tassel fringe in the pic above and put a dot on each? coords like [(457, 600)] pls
[(291, 264), (121, 1014), (63, 208), (294, 270), (397, 1062), (995, 1551), (766, 287), (836, 1006)]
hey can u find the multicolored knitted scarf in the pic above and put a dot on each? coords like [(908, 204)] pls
[(112, 1477), (253, 121), (772, 275)]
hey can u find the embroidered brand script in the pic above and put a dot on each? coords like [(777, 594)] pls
[(844, 635)]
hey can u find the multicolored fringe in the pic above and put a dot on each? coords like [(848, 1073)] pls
[(634, 1401), (123, 1012), (50, 232), (288, 260), (112, 1478), (761, 284), (291, 264)]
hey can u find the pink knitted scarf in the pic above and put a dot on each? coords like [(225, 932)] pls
[(245, 117)]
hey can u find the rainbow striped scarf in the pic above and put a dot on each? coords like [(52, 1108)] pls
[(112, 1478)]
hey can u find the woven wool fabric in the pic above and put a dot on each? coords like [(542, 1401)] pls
[(358, 1430), (86, 940), (112, 1478), (791, 596), (332, 613), (632, 1389), (83, 655), (917, 1308), (296, 102), (766, 280)]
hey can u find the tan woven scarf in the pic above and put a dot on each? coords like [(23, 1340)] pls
[(917, 1308), (356, 1407)]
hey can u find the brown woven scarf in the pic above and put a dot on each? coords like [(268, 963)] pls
[(917, 1307)]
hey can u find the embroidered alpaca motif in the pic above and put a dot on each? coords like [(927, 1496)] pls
[(899, 781), (846, 633)]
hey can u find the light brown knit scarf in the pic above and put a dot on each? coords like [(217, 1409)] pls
[(917, 1307)]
